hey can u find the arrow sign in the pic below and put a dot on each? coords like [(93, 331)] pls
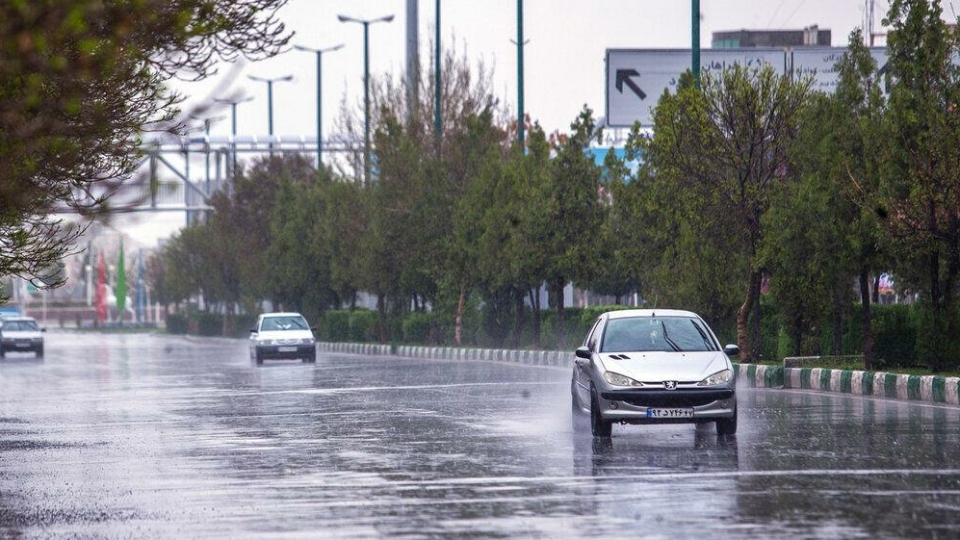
[(623, 77)]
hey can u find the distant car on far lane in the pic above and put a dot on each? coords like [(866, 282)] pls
[(20, 334), (282, 335)]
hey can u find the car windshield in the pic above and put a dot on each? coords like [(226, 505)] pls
[(20, 326), (292, 322), (657, 334)]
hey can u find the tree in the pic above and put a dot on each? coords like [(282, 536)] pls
[(80, 82), (920, 192), (571, 212), (724, 148)]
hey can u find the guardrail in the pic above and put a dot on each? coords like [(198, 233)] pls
[(925, 388)]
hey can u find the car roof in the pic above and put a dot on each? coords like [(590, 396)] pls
[(626, 313), (6, 318), (281, 314)]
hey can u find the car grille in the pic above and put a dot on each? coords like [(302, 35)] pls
[(677, 398)]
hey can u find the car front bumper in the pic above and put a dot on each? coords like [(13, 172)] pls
[(632, 406), (14, 344), (268, 352)]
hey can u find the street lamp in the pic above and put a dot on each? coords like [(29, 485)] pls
[(233, 131), (366, 84), (270, 82), (319, 53)]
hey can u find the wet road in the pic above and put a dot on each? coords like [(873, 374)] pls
[(138, 436)]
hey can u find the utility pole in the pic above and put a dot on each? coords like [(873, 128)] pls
[(695, 41), (521, 115)]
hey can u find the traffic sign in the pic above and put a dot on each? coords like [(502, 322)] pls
[(636, 78), (821, 61)]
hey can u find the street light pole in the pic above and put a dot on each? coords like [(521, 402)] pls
[(521, 116), (695, 41), (270, 82), (366, 85), (437, 118), (319, 53), (233, 130)]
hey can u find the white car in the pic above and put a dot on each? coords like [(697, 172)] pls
[(282, 335), (21, 334), (654, 366)]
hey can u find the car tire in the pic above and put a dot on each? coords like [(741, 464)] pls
[(727, 426), (39, 352), (598, 426), (311, 358), (258, 357), (3, 353)]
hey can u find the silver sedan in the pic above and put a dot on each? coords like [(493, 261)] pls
[(654, 366)]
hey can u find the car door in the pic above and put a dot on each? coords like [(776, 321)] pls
[(581, 371)]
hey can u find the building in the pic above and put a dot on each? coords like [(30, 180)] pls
[(811, 36)]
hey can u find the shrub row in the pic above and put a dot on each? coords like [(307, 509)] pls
[(896, 331)]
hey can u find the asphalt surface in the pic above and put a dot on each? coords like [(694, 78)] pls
[(140, 436)]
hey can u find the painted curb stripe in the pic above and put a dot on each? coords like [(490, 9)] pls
[(926, 388)]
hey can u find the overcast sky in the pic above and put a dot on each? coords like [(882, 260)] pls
[(564, 60)]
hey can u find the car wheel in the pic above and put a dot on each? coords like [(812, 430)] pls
[(3, 353), (258, 357), (599, 426), (727, 426), (40, 352), (310, 358)]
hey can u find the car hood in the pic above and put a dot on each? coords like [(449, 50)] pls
[(284, 334), (666, 366)]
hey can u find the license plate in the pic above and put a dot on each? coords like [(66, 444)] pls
[(669, 413), (22, 345), (286, 349)]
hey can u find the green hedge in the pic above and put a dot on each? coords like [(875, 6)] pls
[(417, 328), (176, 323), (335, 325)]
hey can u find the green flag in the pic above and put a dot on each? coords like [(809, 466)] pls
[(121, 288)]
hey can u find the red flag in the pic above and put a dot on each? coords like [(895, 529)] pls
[(101, 299)]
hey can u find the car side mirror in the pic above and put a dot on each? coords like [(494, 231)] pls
[(583, 352), (43, 329), (253, 330), (731, 350)]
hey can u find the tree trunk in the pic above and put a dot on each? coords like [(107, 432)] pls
[(558, 294), (518, 317), (743, 318), (866, 322), (875, 295), (535, 303), (458, 325), (837, 321), (382, 317), (755, 342), (798, 336)]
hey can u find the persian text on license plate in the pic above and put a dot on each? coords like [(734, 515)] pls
[(287, 349), (669, 413)]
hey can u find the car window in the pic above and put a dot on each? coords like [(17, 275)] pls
[(20, 326), (657, 334), (593, 336), (284, 323)]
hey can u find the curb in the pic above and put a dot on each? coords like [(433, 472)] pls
[(926, 388)]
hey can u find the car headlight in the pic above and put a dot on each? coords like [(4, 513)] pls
[(617, 379), (719, 377)]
